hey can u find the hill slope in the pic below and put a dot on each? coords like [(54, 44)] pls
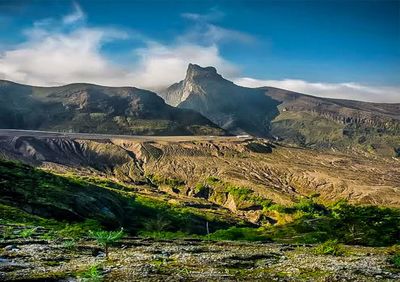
[(99, 109), (289, 116)]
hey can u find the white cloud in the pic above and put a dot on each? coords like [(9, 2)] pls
[(65, 51), (60, 51), (213, 15), (349, 90), (58, 58), (162, 65), (76, 16)]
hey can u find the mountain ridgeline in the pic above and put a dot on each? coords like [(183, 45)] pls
[(96, 109), (205, 103), (288, 116)]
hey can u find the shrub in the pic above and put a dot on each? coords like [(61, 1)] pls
[(309, 206), (106, 238), (330, 247)]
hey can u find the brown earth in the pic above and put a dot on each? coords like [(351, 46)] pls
[(271, 171)]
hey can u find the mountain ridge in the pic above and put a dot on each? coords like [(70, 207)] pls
[(288, 116), (84, 107)]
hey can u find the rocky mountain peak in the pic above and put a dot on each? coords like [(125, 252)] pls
[(197, 72)]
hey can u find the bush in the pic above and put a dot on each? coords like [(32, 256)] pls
[(106, 238), (395, 260), (309, 206), (330, 247)]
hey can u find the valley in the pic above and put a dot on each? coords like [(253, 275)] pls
[(193, 208)]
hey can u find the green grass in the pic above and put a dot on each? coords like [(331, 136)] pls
[(92, 274), (330, 247), (395, 260), (239, 234), (50, 197)]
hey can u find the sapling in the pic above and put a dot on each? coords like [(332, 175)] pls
[(106, 238)]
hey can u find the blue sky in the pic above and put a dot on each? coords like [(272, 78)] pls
[(344, 49)]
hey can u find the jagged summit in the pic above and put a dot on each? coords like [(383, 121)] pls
[(195, 72), (235, 108)]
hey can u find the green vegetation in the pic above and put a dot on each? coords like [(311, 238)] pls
[(311, 130), (240, 234), (242, 195), (92, 274), (395, 260), (330, 247), (349, 224), (159, 180), (68, 207), (27, 233), (107, 238), (69, 244)]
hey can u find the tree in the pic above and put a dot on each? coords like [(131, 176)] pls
[(106, 238)]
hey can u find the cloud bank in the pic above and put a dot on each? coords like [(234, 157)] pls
[(349, 90), (66, 50)]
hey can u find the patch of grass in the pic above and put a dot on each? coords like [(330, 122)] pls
[(169, 181), (239, 234), (69, 244), (27, 233), (92, 274), (166, 235), (78, 230), (330, 247)]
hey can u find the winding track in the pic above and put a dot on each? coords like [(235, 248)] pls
[(93, 136)]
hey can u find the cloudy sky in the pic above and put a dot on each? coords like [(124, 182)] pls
[(342, 49)]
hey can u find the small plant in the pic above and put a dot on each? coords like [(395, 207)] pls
[(27, 233), (69, 244), (8, 233), (92, 274), (330, 247), (106, 238), (395, 260)]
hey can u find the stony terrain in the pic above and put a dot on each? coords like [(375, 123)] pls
[(203, 190), (138, 259)]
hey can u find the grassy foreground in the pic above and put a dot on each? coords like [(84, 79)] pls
[(95, 229), (70, 206)]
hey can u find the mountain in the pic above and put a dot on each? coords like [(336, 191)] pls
[(98, 109), (288, 116), (235, 108)]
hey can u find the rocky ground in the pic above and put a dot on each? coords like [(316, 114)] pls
[(138, 259)]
